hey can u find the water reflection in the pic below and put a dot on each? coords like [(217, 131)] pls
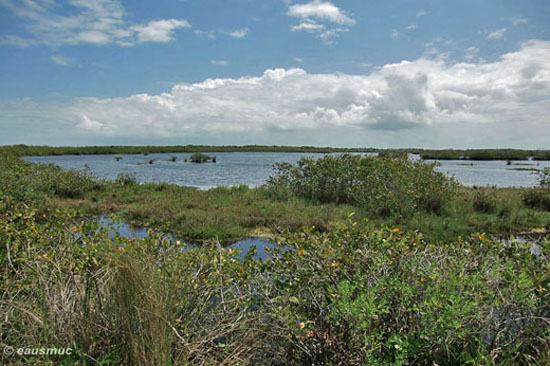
[(123, 229)]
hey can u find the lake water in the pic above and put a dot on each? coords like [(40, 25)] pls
[(254, 168)]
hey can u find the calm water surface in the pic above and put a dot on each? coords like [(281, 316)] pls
[(254, 168), (243, 246)]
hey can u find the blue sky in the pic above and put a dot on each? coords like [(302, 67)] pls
[(341, 73)]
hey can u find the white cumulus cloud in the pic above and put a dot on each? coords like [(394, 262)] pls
[(471, 53), (239, 33), (428, 91), (308, 26), (497, 34), (321, 17), (429, 101), (159, 30), (321, 10), (87, 22)]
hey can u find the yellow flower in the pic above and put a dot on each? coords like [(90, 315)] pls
[(395, 230), (335, 264), (302, 325)]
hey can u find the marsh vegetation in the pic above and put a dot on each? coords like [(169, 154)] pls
[(378, 261)]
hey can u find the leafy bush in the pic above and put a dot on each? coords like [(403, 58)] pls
[(200, 158), (26, 182), (17, 181), (67, 184), (126, 179), (362, 296), (385, 186), (485, 201), (544, 178), (537, 199)]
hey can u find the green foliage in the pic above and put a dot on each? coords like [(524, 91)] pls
[(362, 296), (66, 184), (385, 186), (544, 179), (118, 301), (200, 158), (230, 214), (348, 294), (16, 180), (537, 199), (30, 183), (486, 154), (485, 201), (126, 179)]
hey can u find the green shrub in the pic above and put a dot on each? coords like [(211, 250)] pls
[(67, 184), (26, 182), (385, 186), (485, 201), (537, 199), (544, 178), (126, 179), (17, 181), (362, 296), (200, 158)]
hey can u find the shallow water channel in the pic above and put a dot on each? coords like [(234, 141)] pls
[(133, 232)]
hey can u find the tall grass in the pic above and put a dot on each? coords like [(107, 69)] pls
[(116, 301)]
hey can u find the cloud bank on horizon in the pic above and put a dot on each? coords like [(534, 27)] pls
[(426, 91), (313, 68)]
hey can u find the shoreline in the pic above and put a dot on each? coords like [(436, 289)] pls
[(504, 154)]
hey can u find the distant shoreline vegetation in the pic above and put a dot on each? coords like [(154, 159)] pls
[(428, 154)]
